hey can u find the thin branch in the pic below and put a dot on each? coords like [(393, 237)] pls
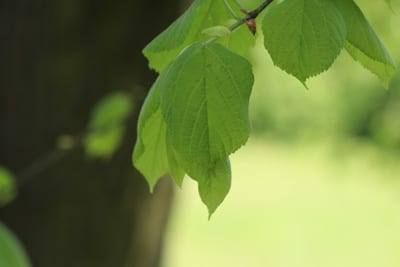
[(43, 163), (254, 13), (51, 158), (250, 15)]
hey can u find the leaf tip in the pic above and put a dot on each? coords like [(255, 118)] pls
[(303, 82), (178, 181), (209, 215), (151, 189), (152, 184)]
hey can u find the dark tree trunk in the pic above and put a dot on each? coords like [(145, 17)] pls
[(57, 59)]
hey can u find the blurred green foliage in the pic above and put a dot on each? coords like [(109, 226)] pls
[(11, 252), (7, 187), (106, 126), (384, 125)]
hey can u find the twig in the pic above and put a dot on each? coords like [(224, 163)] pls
[(250, 15), (254, 13)]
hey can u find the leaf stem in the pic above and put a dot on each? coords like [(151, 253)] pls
[(250, 15), (231, 10)]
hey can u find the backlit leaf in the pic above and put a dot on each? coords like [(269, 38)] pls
[(187, 29), (304, 37), (363, 44), (153, 156), (204, 101), (215, 185)]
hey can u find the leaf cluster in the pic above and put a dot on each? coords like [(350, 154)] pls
[(196, 113)]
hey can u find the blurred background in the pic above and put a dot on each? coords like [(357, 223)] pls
[(318, 182), (316, 185)]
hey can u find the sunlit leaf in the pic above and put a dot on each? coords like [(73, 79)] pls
[(196, 114), (363, 44), (304, 37), (153, 156), (215, 185), (189, 28), (204, 101)]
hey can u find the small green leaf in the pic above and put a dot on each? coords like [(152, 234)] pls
[(304, 37), (153, 156), (363, 44), (204, 101), (217, 31), (106, 126), (104, 143), (214, 187), (111, 110), (187, 29), (7, 186), (11, 252)]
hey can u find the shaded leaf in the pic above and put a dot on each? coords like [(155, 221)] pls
[(11, 252)]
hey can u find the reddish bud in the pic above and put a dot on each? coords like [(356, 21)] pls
[(251, 24)]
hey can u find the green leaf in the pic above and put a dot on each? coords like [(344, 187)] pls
[(304, 37), (241, 40), (389, 3), (153, 156), (217, 31), (185, 30), (204, 101), (363, 44), (188, 29), (111, 110), (104, 143), (7, 187), (11, 251), (106, 126), (215, 185)]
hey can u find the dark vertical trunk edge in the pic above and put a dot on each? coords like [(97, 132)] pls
[(58, 58)]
